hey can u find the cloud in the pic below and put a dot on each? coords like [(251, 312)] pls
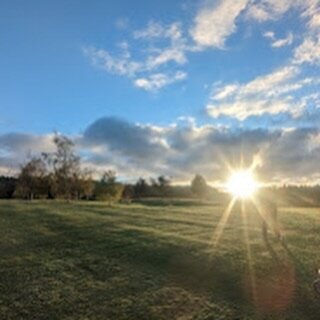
[(159, 56), (270, 94), (308, 51), (265, 10), (15, 148), (144, 71), (159, 50), (215, 23), (159, 80), (182, 149), (133, 140), (155, 30), (283, 42), (278, 43), (294, 155), (175, 54), (122, 65)]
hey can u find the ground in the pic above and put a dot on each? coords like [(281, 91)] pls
[(156, 260)]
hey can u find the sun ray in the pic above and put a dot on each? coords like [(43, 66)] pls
[(252, 274), (261, 211), (221, 225)]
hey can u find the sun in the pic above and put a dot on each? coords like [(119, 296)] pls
[(242, 184)]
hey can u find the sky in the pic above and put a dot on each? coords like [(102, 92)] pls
[(167, 87)]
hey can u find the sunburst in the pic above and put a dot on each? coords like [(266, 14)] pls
[(242, 184)]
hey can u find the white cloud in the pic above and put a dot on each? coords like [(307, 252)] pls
[(268, 84), (258, 13), (278, 43), (308, 51), (159, 80), (122, 65), (156, 30), (225, 92), (164, 47), (264, 10), (175, 54), (314, 22), (312, 12), (175, 51), (270, 94), (213, 25), (283, 42), (269, 35), (144, 71), (242, 109)]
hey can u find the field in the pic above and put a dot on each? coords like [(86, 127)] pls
[(87, 260)]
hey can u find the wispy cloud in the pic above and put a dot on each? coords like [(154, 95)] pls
[(144, 71), (156, 30), (122, 65), (156, 81), (281, 42), (164, 49), (269, 94), (270, 9)]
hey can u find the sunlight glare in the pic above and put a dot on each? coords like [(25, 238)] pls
[(242, 184)]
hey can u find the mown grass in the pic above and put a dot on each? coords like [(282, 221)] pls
[(87, 260)]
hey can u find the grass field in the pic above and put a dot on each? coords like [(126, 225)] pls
[(153, 261)]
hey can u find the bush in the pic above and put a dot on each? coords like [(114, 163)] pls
[(111, 192)]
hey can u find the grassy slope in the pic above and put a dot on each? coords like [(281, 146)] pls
[(90, 261)]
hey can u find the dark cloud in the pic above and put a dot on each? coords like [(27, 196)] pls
[(132, 140), (182, 150)]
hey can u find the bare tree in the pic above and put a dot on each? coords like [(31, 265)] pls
[(65, 166)]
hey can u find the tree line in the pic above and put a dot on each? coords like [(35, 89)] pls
[(60, 175)]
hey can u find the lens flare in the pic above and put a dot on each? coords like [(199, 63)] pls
[(242, 184)]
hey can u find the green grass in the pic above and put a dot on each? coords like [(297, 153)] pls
[(90, 261)]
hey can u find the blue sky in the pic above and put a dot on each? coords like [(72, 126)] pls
[(231, 67)]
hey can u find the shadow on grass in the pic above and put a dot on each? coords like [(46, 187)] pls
[(158, 202), (88, 254)]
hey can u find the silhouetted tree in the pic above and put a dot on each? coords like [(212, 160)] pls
[(141, 188), (7, 187), (109, 176), (199, 186), (163, 185)]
